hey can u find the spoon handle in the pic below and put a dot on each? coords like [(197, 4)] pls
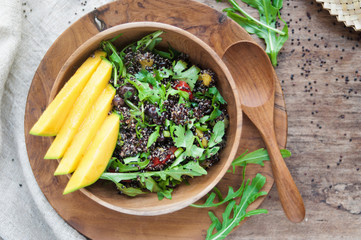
[(289, 195)]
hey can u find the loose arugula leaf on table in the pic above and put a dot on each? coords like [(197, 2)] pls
[(235, 213), (269, 11), (255, 157), (248, 192)]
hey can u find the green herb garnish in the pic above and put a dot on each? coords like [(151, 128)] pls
[(265, 28), (247, 193)]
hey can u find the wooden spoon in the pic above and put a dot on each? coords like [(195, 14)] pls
[(255, 78)]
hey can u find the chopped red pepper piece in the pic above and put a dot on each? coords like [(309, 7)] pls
[(173, 149), (183, 86)]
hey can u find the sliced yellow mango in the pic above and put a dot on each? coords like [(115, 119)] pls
[(54, 115), (95, 160), (80, 110), (87, 131)]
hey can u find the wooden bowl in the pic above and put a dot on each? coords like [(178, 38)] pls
[(104, 192)]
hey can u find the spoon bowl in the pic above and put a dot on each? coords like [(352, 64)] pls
[(255, 78), (255, 84)]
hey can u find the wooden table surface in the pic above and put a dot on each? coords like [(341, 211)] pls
[(320, 72)]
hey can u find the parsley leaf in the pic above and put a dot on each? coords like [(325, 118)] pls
[(183, 138), (163, 73), (179, 67), (190, 75), (196, 152), (145, 76)]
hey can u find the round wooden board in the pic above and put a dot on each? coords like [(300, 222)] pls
[(82, 213)]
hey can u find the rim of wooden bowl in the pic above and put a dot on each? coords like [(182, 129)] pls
[(92, 44)]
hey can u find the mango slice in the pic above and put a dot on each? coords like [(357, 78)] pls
[(97, 156), (87, 131), (80, 110), (55, 114)]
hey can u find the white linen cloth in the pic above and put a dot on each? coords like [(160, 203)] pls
[(27, 30)]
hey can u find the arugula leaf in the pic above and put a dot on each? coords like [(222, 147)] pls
[(145, 92), (213, 91), (256, 157), (217, 135), (167, 193), (153, 137), (149, 41), (133, 166), (265, 27), (172, 92), (209, 152), (151, 185), (131, 159), (234, 213), (191, 169), (130, 191), (179, 159), (214, 114), (115, 59), (170, 55)]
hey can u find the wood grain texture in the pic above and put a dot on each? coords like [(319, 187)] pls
[(256, 84), (320, 73), (88, 217)]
